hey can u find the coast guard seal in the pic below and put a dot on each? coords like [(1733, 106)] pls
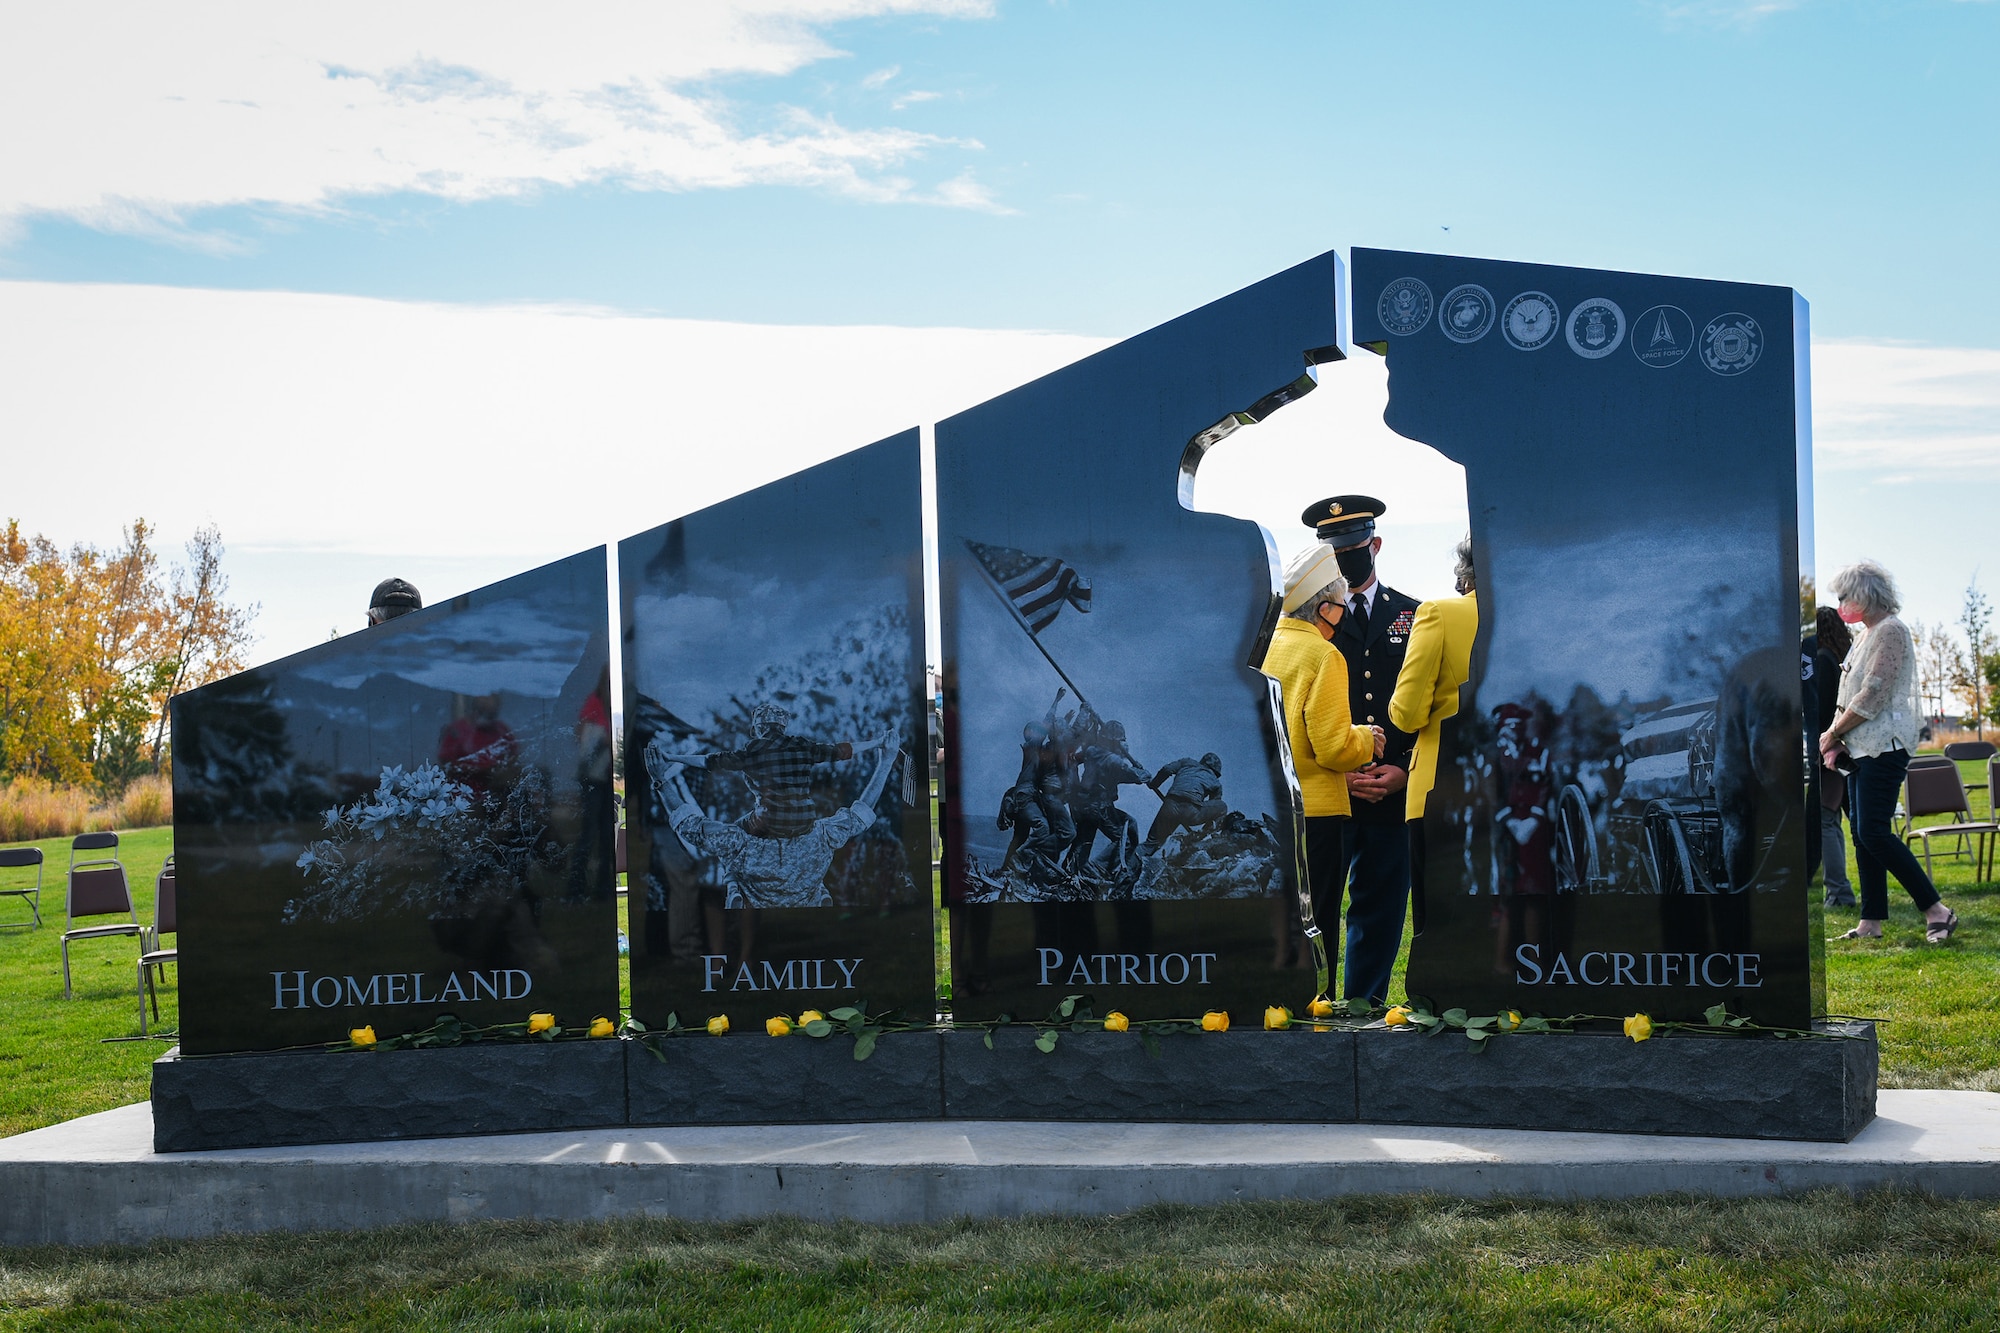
[(1529, 321), (1595, 328), (1663, 336), (1405, 306), (1467, 313), (1731, 343)]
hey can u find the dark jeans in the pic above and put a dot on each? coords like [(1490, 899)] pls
[(1378, 891), (1878, 852)]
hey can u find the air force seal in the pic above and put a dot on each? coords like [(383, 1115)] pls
[(1731, 344), (1467, 313), (1530, 320), (1405, 306), (1595, 328), (1662, 337)]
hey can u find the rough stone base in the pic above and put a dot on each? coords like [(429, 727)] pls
[(1725, 1087), (1240, 1076), (283, 1098), (1754, 1087), (793, 1080)]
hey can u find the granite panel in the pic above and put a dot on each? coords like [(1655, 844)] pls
[(1248, 1076), (1731, 1087), (747, 1079), (272, 1099)]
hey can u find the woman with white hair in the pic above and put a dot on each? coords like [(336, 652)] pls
[(1876, 724)]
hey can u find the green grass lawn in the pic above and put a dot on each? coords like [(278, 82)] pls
[(1824, 1261), (54, 1061)]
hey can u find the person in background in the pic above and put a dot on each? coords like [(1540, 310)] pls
[(1830, 645), (1325, 743), (1876, 727), (392, 598), (1437, 662)]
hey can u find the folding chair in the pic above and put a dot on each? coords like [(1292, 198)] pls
[(20, 858), (155, 959), (97, 887), (1901, 822), (1976, 750), (1937, 790)]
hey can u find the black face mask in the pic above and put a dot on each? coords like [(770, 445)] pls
[(1357, 566)]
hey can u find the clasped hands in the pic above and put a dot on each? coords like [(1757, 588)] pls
[(1377, 781)]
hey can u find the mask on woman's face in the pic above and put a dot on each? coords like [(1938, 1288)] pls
[(1357, 565), (1849, 614)]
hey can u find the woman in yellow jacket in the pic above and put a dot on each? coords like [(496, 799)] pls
[(1324, 741), (1437, 662)]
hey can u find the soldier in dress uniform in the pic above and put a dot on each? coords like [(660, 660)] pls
[(1373, 636)]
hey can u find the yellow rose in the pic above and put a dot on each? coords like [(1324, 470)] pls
[(811, 1016), (1321, 1007), (1215, 1021), (718, 1025), (1398, 1017), (1508, 1021), (1639, 1027), (1116, 1022), (779, 1026), (541, 1022), (603, 1027), (1277, 1018), (362, 1036)]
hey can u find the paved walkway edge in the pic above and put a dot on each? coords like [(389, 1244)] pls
[(96, 1181)]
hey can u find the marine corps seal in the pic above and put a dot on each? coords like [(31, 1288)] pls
[(1467, 313)]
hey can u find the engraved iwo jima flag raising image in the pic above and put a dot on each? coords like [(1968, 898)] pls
[(732, 631)]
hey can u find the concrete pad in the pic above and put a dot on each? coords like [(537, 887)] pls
[(97, 1180)]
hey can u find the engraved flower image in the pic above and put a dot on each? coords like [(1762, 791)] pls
[(425, 840)]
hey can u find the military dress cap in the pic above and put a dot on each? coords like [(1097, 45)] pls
[(396, 595), (1347, 520)]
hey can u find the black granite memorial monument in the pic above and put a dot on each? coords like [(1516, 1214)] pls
[(1618, 823), (777, 775), (404, 822)]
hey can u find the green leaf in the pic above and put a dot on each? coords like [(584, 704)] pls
[(1360, 1007), (1476, 1034), (819, 1027), (1046, 1042), (1425, 1020), (1068, 1006), (864, 1045), (1716, 1014), (1534, 1025), (633, 1025), (1472, 1025), (1454, 1017), (989, 1039), (843, 1014), (1003, 1020)]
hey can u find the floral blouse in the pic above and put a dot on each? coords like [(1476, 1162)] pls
[(1878, 681)]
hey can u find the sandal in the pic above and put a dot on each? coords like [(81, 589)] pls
[(1937, 932), (1855, 934)]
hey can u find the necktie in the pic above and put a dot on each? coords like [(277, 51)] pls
[(1359, 610)]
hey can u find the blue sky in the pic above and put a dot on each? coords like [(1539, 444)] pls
[(1083, 168)]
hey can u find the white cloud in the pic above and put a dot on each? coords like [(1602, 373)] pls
[(913, 98), (1924, 412), (132, 115)]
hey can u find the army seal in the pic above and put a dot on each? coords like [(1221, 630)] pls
[(1405, 306)]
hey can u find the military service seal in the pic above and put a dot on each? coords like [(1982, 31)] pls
[(1595, 328), (1405, 306), (1662, 337), (1467, 313), (1529, 321), (1731, 343)]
